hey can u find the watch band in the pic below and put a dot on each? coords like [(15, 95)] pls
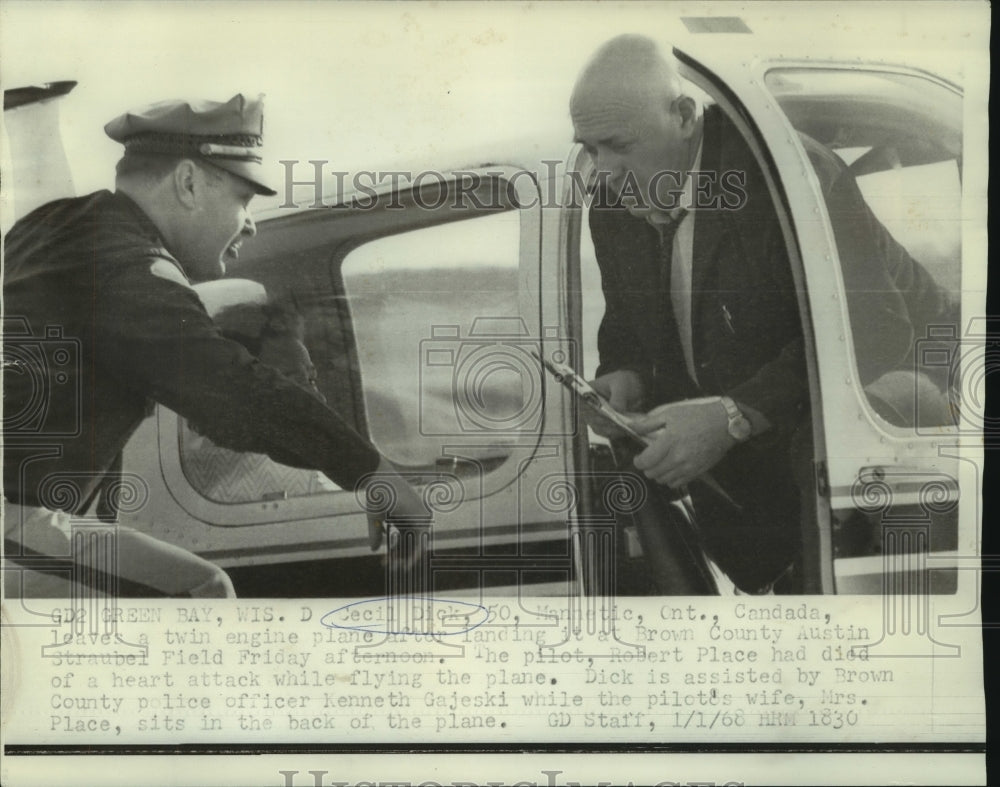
[(740, 429)]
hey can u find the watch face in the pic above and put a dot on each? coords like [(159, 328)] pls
[(740, 428)]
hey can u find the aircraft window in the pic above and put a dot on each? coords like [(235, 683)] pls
[(886, 149)]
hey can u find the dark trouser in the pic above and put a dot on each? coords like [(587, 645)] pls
[(755, 538), (759, 539)]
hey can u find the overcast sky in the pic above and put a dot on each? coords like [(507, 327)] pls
[(372, 82)]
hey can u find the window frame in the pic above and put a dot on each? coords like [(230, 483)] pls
[(337, 263), (323, 506), (884, 428), (849, 440), (901, 442)]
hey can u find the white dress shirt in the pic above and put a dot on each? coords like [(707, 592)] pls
[(681, 260)]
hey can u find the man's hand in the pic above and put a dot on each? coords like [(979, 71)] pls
[(393, 503), (690, 439), (624, 392)]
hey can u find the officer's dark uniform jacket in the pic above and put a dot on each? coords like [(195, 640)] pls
[(113, 326)]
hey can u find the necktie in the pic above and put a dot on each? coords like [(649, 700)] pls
[(675, 287), (668, 230)]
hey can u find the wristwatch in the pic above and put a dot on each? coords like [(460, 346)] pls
[(739, 427)]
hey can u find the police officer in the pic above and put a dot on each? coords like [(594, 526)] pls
[(99, 291)]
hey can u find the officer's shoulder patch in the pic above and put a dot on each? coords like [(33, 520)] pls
[(166, 269)]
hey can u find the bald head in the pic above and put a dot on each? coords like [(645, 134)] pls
[(631, 115), (626, 71)]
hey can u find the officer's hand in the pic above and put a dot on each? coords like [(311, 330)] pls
[(624, 391), (394, 507), (689, 439)]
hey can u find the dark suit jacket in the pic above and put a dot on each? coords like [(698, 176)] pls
[(745, 326), (104, 334), (746, 338)]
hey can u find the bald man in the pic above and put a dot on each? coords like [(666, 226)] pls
[(702, 322), (701, 309)]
